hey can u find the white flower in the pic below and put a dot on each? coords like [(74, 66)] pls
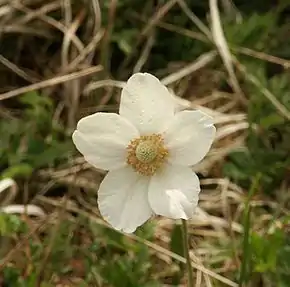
[(148, 150)]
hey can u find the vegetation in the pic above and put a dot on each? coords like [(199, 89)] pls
[(61, 60)]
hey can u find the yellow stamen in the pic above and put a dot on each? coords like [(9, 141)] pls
[(147, 154)]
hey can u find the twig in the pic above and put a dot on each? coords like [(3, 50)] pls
[(199, 63), (199, 24), (17, 70), (220, 41), (157, 16), (50, 82)]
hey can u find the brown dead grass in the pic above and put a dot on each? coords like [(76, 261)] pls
[(77, 68)]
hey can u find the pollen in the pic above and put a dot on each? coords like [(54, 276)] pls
[(147, 154)]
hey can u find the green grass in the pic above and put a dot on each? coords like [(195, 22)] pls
[(246, 265), (243, 238)]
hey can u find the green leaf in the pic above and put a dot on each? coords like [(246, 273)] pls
[(48, 154), (266, 249), (11, 224), (271, 120), (21, 170), (253, 31), (34, 99)]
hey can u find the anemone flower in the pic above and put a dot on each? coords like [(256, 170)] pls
[(148, 149)]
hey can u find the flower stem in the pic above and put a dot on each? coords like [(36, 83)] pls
[(186, 252)]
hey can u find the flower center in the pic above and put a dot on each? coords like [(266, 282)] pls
[(146, 151), (147, 154)]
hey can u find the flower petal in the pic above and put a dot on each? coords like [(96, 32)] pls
[(189, 137), (123, 199), (102, 138), (174, 192), (146, 103)]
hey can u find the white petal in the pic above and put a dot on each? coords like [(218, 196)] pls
[(123, 199), (189, 137), (174, 192), (102, 138), (146, 103)]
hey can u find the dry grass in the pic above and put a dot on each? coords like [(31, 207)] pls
[(76, 74)]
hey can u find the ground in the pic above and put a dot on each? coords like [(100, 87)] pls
[(61, 60)]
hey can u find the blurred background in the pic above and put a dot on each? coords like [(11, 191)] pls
[(61, 60)]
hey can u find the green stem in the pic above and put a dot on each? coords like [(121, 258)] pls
[(186, 252)]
